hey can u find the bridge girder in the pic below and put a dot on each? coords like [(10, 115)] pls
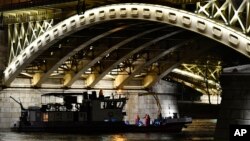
[(119, 83), (106, 52), (132, 52), (59, 62)]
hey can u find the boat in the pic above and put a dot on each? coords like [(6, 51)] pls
[(90, 114)]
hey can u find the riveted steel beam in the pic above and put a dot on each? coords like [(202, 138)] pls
[(56, 63), (143, 65), (106, 52), (145, 45), (195, 87), (195, 78), (156, 75)]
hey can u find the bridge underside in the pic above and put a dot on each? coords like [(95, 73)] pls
[(126, 54), (123, 53), (131, 46)]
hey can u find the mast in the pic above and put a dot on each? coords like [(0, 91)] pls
[(21, 105)]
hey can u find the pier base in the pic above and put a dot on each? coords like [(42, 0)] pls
[(235, 105)]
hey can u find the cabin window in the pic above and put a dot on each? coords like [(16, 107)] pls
[(111, 105), (119, 104), (45, 117), (103, 105)]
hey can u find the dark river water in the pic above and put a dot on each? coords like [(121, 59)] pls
[(199, 130)]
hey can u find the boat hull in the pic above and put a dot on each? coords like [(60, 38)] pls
[(104, 127)]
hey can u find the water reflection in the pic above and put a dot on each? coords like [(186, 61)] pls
[(119, 138), (199, 130)]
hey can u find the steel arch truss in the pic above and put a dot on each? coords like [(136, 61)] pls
[(20, 35), (187, 20), (209, 87), (230, 12)]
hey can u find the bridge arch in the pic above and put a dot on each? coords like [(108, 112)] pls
[(187, 20)]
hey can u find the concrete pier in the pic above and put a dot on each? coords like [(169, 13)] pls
[(145, 103), (3, 56), (235, 105)]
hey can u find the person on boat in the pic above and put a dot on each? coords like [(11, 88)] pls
[(147, 120), (101, 96), (158, 120), (159, 117), (137, 120)]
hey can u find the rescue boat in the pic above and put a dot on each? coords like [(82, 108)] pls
[(91, 115)]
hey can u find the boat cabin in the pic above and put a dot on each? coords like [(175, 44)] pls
[(76, 107)]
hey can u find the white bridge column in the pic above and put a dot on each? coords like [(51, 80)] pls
[(235, 105)]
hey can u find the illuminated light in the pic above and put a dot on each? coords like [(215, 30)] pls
[(118, 138), (215, 99), (110, 76), (119, 91), (45, 117), (26, 74), (91, 47)]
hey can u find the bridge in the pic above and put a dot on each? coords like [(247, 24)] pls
[(127, 46)]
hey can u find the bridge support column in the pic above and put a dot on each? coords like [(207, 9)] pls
[(91, 78), (149, 80), (3, 48), (36, 78), (235, 105), (68, 76)]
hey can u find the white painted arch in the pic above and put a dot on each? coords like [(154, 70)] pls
[(187, 20)]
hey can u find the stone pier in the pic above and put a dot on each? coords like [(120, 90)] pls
[(145, 103), (235, 105), (3, 48)]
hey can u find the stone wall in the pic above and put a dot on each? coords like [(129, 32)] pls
[(142, 104), (146, 104), (10, 110)]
